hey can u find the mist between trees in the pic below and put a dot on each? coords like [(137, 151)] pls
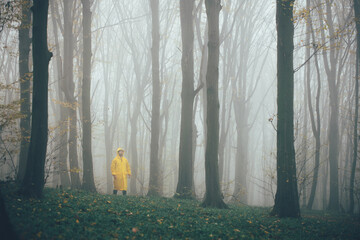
[(134, 74)]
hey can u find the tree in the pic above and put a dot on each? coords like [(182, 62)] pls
[(286, 198), (356, 116), (63, 132), (88, 177), (244, 85), (33, 182), (213, 192), (8, 13), (304, 140), (315, 123), (141, 63), (185, 180), (154, 182), (111, 101), (25, 80), (331, 69), (68, 87)]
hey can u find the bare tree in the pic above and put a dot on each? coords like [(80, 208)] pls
[(88, 177), (25, 81), (33, 182), (286, 198), (243, 91), (333, 65), (185, 181), (213, 196), (154, 182), (68, 87), (141, 64), (63, 132), (356, 116), (315, 122)]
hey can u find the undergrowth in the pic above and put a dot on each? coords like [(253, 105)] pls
[(83, 215)]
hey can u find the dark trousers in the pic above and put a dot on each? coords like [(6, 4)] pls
[(115, 192)]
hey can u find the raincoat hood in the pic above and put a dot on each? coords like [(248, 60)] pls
[(119, 149)]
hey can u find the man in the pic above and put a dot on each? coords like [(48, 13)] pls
[(120, 169)]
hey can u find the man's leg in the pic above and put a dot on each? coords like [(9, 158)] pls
[(114, 192), (124, 192)]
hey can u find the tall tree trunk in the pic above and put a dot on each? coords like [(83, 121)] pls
[(88, 177), (140, 85), (286, 198), (356, 117), (133, 148), (33, 183), (63, 133), (154, 182), (315, 126), (69, 88), (110, 123), (185, 180), (25, 79), (109, 140), (333, 147), (304, 144), (213, 196), (330, 66), (241, 165)]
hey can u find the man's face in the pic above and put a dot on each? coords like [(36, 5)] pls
[(121, 153)]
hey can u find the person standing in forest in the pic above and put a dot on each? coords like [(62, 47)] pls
[(120, 170)]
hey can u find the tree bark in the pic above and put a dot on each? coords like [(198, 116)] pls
[(286, 198), (304, 144), (25, 81), (315, 126), (185, 177), (356, 115), (154, 182), (88, 177), (33, 183), (63, 150), (333, 129), (213, 196), (68, 89)]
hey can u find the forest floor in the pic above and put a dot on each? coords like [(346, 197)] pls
[(82, 215)]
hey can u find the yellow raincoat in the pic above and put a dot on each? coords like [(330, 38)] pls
[(120, 168)]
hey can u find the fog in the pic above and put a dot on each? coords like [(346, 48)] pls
[(121, 96)]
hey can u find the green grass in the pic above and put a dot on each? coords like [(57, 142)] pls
[(83, 215)]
